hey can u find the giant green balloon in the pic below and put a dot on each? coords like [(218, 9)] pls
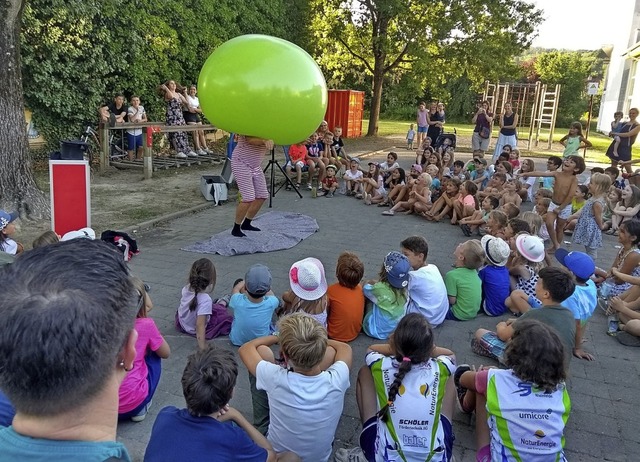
[(263, 86)]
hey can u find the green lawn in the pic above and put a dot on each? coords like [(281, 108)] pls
[(594, 154)]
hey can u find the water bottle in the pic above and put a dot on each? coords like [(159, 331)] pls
[(314, 192)]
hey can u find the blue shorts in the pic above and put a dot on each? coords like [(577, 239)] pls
[(534, 302), (451, 316), (134, 142), (422, 129), (370, 431)]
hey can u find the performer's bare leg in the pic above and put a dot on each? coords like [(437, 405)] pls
[(254, 208)]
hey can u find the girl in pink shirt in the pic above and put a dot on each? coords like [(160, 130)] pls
[(138, 387)]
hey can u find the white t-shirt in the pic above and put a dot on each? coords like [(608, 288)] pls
[(428, 294), (134, 115), (9, 246), (193, 101), (385, 167), (349, 175), (304, 411), (188, 318)]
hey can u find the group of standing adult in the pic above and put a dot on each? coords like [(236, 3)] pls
[(430, 122)]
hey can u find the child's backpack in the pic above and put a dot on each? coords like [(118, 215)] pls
[(123, 242)]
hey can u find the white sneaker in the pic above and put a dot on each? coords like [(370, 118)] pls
[(192, 154), (200, 152), (208, 151), (181, 155)]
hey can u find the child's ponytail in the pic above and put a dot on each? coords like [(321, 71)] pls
[(201, 276), (403, 369)]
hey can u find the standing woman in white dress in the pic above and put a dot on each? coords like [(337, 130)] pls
[(508, 124), (192, 117)]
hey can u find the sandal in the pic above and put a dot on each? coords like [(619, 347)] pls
[(388, 213)]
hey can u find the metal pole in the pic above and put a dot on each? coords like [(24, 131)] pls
[(586, 135)]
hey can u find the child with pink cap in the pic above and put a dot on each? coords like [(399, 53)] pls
[(308, 290)]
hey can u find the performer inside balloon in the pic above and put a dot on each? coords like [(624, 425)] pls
[(246, 165)]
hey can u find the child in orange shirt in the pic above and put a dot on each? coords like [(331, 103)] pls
[(346, 299), (297, 160)]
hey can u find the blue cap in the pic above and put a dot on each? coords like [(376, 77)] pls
[(397, 267), (579, 263), (6, 218)]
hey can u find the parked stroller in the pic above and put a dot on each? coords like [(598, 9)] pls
[(446, 140)]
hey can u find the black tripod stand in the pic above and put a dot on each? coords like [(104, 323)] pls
[(272, 181)]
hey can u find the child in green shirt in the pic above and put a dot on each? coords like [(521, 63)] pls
[(464, 287)]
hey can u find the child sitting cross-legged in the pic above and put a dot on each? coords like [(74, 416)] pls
[(495, 186), (346, 299), (496, 223), (393, 185), (554, 286), (208, 425), (470, 225), (306, 398), (329, 183), (495, 275), (419, 197), (466, 203), (510, 425), (297, 161), (387, 297), (308, 290), (352, 178), (528, 258), (253, 304), (584, 299), (405, 396), (444, 205), (464, 287), (510, 193)]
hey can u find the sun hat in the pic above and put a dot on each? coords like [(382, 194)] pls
[(417, 168), (257, 281), (579, 263), (397, 267), (6, 218), (374, 163), (496, 250), (84, 233), (307, 279), (530, 247)]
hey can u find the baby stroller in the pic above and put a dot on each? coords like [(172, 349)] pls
[(446, 138)]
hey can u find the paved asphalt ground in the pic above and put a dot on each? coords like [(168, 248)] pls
[(603, 424)]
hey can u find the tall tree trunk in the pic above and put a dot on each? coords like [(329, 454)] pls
[(376, 98), (18, 189)]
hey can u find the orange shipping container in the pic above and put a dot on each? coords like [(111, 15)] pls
[(345, 109)]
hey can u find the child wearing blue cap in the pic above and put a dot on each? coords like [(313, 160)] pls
[(387, 298), (8, 229), (584, 299)]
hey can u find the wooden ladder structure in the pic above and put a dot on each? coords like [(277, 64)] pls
[(547, 112), (535, 104)]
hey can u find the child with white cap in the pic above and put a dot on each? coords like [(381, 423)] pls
[(308, 290), (329, 183), (495, 275), (524, 269), (387, 297), (8, 229)]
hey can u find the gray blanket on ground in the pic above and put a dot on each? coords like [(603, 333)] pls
[(279, 231)]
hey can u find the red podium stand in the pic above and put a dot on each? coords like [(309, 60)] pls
[(70, 195)]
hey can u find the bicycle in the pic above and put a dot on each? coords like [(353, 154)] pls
[(91, 137)]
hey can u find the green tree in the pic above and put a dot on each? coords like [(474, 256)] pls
[(450, 37), (18, 187), (571, 69)]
